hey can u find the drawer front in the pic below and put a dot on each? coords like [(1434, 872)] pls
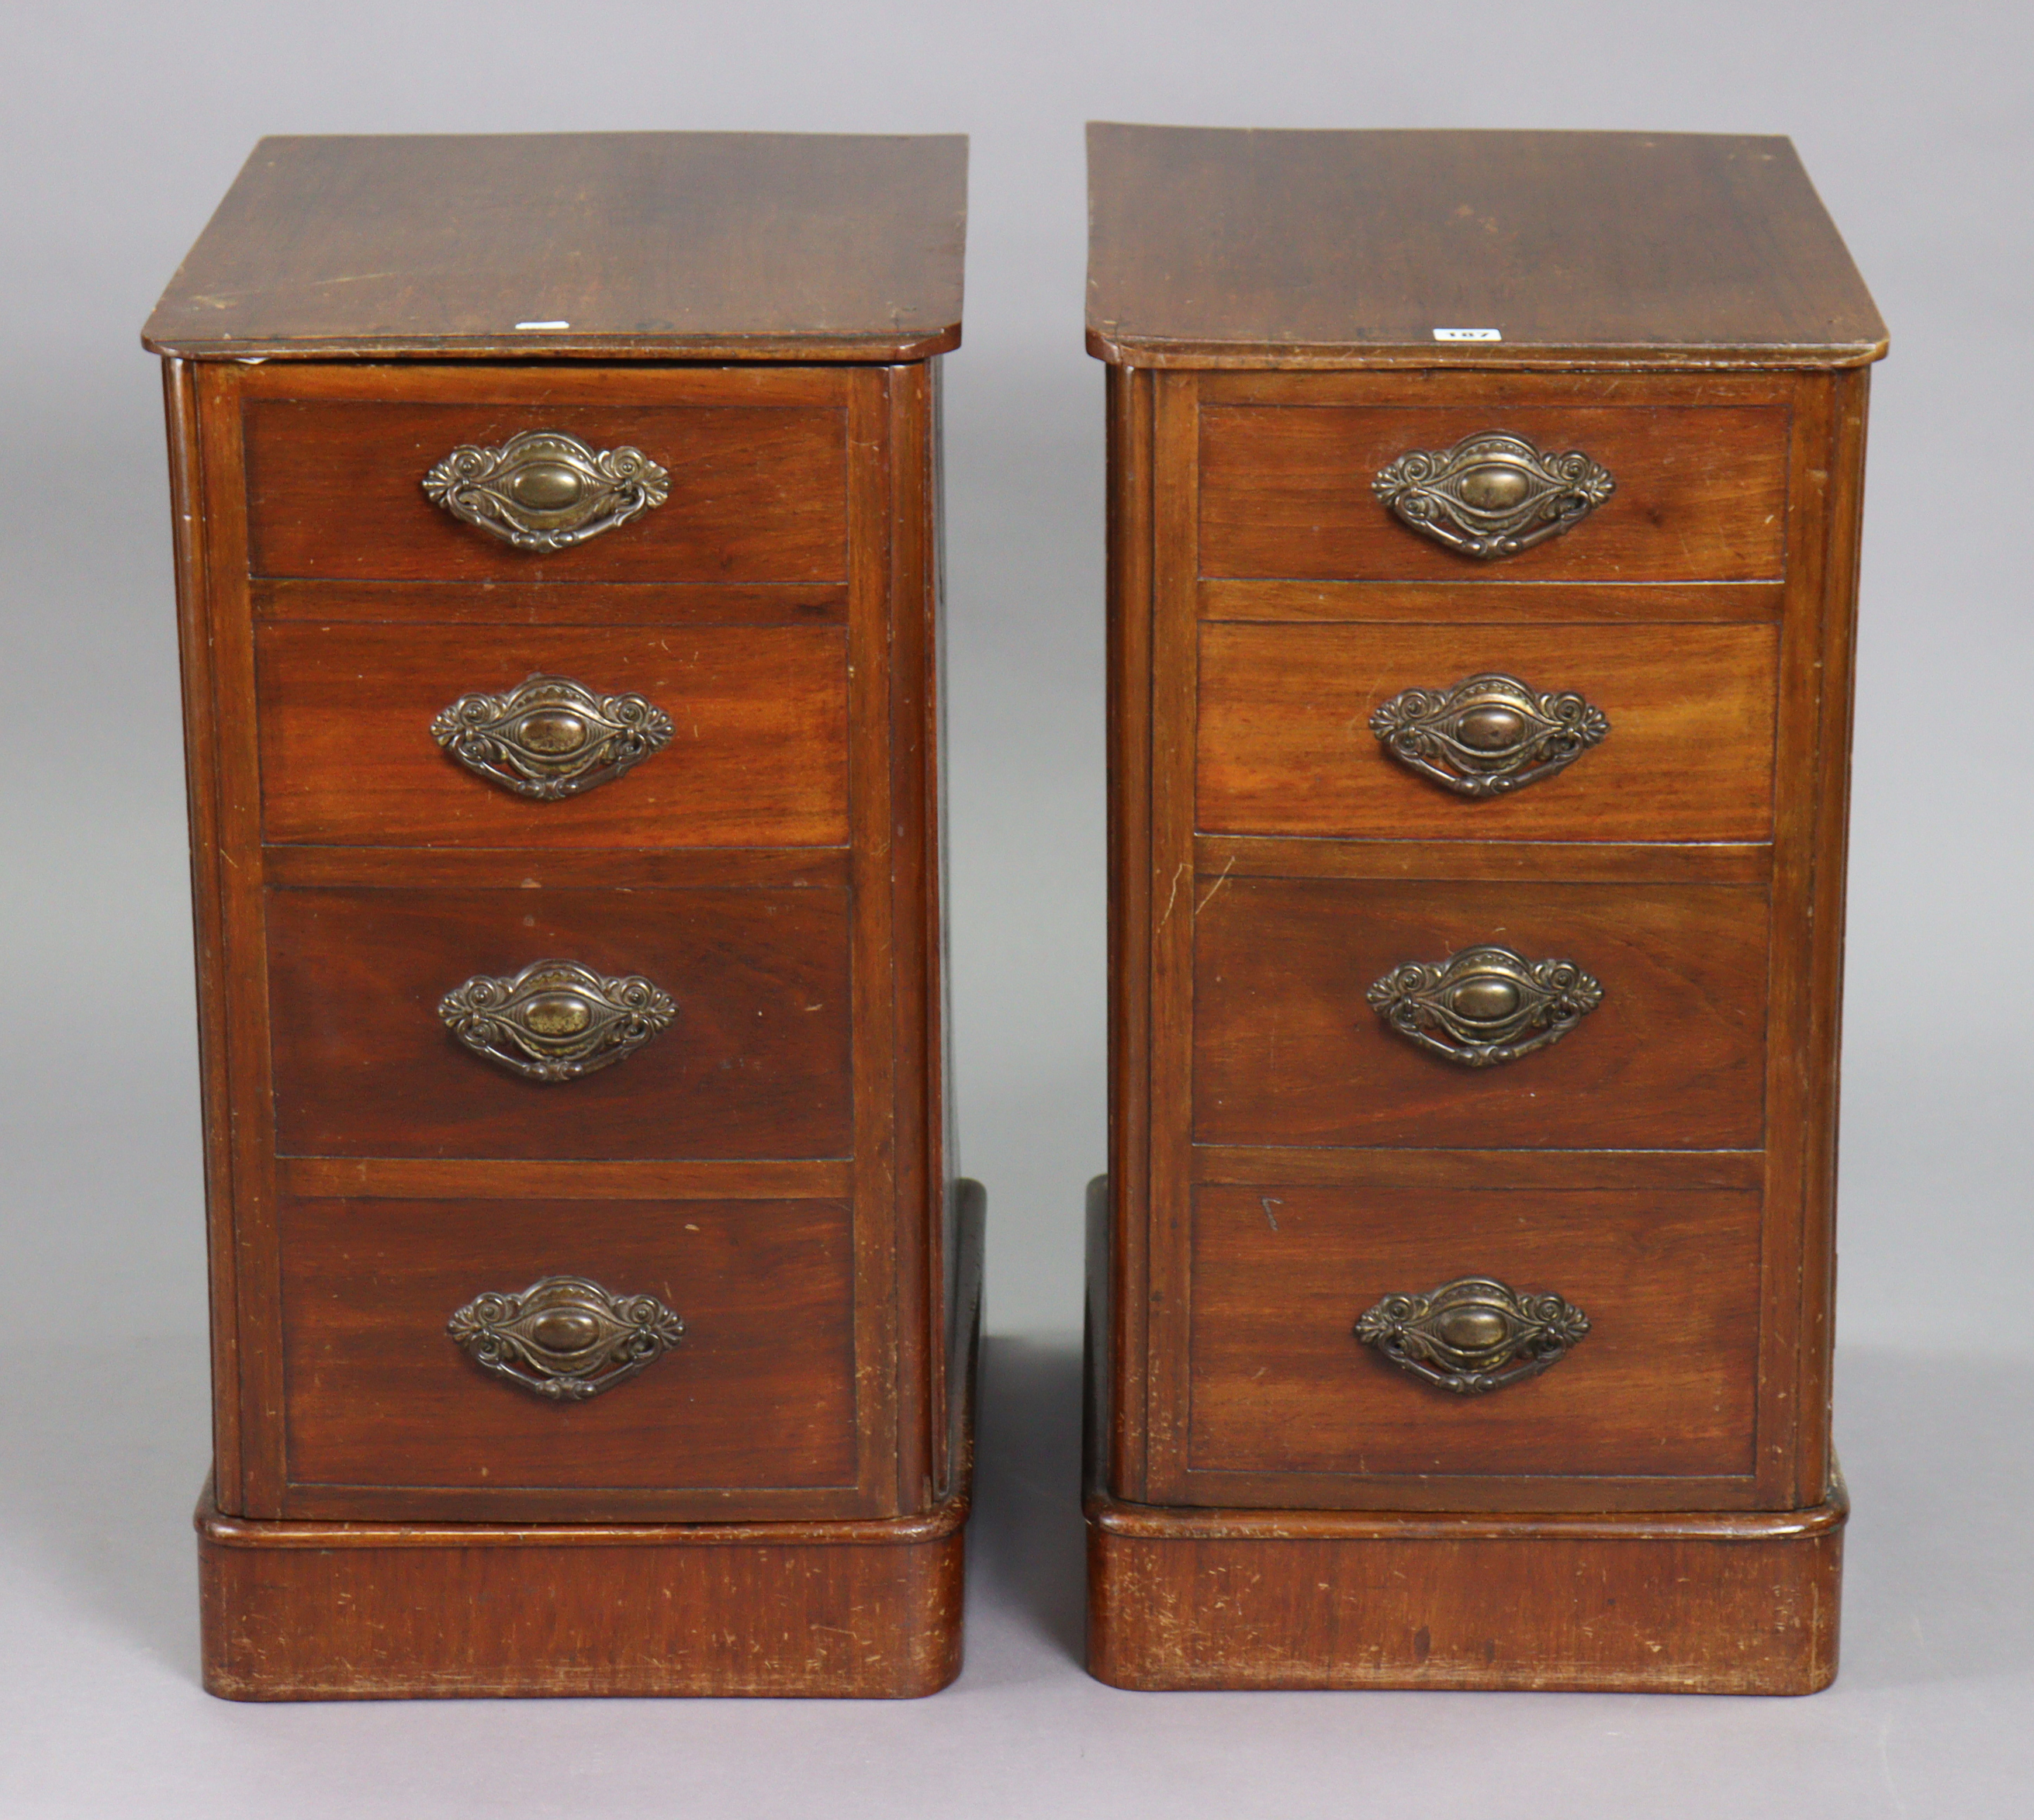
[(1663, 1383), (1288, 1049), (754, 492), (752, 1062), (1700, 492), (752, 750), (756, 1392), (1677, 746)]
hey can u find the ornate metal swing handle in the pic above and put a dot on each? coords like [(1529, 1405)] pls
[(542, 490), (1492, 495)]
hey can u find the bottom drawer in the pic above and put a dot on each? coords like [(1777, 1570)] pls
[(749, 1412), (1290, 1407)]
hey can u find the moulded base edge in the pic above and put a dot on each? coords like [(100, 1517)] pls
[(1688, 1603), (313, 1611)]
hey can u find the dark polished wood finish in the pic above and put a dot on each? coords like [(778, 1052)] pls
[(757, 1063), (772, 1166), (418, 1611), (757, 462), (1285, 1050), (1286, 748), (1700, 487), (1679, 310), (1646, 1604), (759, 760), (788, 247), (1210, 245)]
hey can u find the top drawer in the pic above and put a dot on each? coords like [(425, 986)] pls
[(749, 478), (1698, 491)]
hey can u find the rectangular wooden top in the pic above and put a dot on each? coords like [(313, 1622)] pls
[(627, 246), (1225, 247)]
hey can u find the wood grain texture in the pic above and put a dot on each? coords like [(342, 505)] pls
[(311, 1610), (788, 592), (1653, 1604), (508, 604), (1286, 1050), (1494, 601), (202, 765), (1207, 245), (335, 490), (755, 1405), (756, 1061), (623, 246), (1265, 302), (757, 757), (1285, 1397), (1701, 495), (1527, 862), (1284, 745)]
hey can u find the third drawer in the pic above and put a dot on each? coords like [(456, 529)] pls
[(754, 1062), (1290, 1048)]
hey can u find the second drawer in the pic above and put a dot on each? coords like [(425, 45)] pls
[(750, 735), (1678, 745)]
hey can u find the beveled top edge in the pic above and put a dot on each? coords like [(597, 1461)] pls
[(665, 246), (1238, 247)]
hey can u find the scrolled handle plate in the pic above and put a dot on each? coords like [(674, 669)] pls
[(1486, 1005), (1473, 1334), (551, 737), (556, 1020), (564, 1338), (1488, 735), (542, 490), (1492, 495)]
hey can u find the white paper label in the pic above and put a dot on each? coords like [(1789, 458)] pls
[(1468, 335)]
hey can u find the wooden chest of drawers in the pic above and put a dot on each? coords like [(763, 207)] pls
[(593, 1302), (1483, 523)]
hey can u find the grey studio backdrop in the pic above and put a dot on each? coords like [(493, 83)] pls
[(124, 123)]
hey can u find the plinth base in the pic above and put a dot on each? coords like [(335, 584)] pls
[(308, 1611), (1695, 1603)]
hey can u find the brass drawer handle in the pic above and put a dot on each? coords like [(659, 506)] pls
[(564, 1338), (1488, 735), (542, 490), (551, 736), (1485, 1005), (1473, 1334), (556, 1020), (1492, 495)]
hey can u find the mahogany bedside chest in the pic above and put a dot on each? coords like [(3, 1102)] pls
[(593, 1306), (1484, 520)]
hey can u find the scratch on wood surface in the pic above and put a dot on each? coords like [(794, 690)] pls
[(1216, 887), (1172, 897)]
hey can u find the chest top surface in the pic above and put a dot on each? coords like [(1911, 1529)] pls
[(1221, 246), (628, 245)]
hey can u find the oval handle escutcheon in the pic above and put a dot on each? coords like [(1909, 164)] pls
[(1473, 1334), (564, 1338), (1488, 735), (551, 736), (1492, 495), (542, 490), (556, 1020), (1485, 1006)]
